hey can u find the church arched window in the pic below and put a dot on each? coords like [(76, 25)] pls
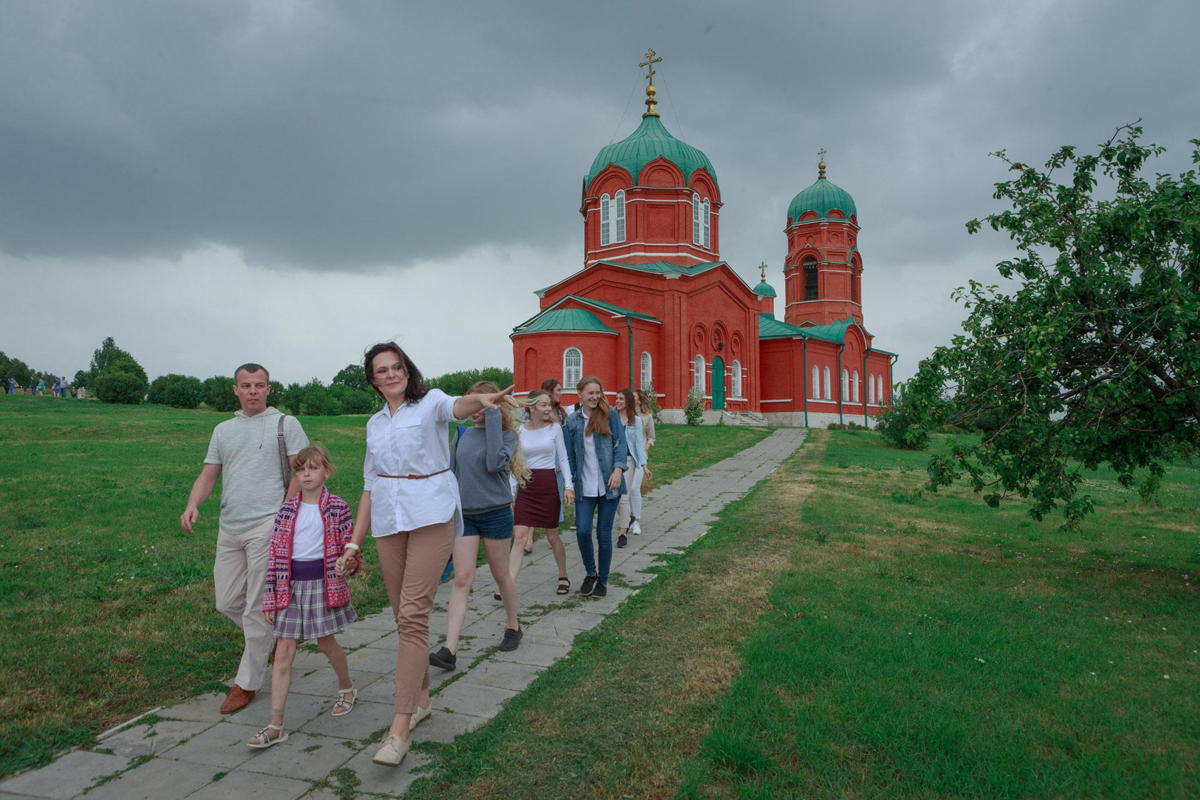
[(707, 217), (810, 278), (828, 386), (856, 287), (572, 367), (845, 386), (695, 218), (870, 389), (619, 201), (736, 381), (854, 387), (816, 383), (698, 377), (647, 375), (605, 220), (879, 391)]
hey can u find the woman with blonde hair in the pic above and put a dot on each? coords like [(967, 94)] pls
[(597, 455)]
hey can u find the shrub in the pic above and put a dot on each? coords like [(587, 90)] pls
[(109, 355), (122, 381), (900, 424), (655, 408), (177, 391), (355, 401), (217, 394), (316, 401), (693, 411)]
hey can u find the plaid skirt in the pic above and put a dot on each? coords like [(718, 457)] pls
[(307, 617)]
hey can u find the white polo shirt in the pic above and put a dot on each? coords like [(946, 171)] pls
[(413, 441)]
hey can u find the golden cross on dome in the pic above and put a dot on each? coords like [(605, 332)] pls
[(650, 90), (821, 166), (763, 269)]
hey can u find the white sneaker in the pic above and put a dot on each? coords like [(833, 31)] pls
[(636, 528), (392, 751)]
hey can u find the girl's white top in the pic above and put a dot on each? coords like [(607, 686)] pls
[(544, 448), (308, 539), (413, 441)]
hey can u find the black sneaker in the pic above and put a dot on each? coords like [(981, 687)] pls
[(512, 638), (622, 540), (601, 590), (443, 658), (589, 584)]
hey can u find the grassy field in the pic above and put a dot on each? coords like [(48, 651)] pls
[(109, 604), (838, 633)]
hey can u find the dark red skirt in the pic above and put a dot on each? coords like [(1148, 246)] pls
[(538, 504)]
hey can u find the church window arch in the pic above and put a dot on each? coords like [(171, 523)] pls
[(845, 386), (735, 388), (706, 216), (619, 216), (828, 386), (695, 218), (698, 378), (879, 391), (647, 373), (810, 278), (572, 367), (870, 389), (605, 219), (816, 383), (854, 387)]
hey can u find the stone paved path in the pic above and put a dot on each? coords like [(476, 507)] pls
[(191, 750)]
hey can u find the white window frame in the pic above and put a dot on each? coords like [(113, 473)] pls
[(879, 392), (736, 379), (698, 379), (605, 221), (816, 383), (695, 218), (572, 380), (828, 385), (707, 218), (619, 217), (854, 386), (870, 389), (845, 386), (647, 370)]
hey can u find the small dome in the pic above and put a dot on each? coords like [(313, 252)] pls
[(764, 290), (822, 197), (647, 143)]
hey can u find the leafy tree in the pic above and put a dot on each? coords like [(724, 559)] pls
[(457, 383), (290, 398), (354, 377), (355, 401), (122, 381), (14, 368), (316, 401), (178, 391), (902, 423), (217, 394), (104, 357), (693, 409), (1093, 357)]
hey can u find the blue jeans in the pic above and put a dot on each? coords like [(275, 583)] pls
[(585, 507)]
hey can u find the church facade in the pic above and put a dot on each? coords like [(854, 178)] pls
[(655, 306)]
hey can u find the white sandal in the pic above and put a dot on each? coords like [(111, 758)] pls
[(342, 706), (263, 740)]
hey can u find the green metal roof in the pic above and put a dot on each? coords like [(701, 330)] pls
[(564, 319), (771, 328), (822, 197), (615, 309), (666, 267), (764, 290), (647, 143)]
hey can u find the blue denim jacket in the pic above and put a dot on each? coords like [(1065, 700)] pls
[(611, 450)]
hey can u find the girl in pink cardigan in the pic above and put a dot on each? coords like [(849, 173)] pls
[(306, 594)]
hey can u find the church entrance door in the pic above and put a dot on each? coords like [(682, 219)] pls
[(718, 384)]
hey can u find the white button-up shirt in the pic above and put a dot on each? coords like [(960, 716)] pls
[(413, 441), (594, 484)]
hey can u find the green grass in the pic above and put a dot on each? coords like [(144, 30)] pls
[(108, 602), (838, 633)]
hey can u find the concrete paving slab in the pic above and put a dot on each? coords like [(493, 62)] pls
[(464, 697), (534, 653), (144, 740), (222, 746), (372, 659), (66, 777), (322, 682), (444, 727), (202, 708), (303, 756), (389, 781), (238, 785), (502, 675), (362, 722), (157, 779)]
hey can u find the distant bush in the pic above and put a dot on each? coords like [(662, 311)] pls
[(900, 424), (693, 410), (177, 391), (107, 356), (316, 401), (217, 394), (355, 401), (457, 383), (122, 381), (655, 408)]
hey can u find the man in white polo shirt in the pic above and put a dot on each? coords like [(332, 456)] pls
[(245, 450)]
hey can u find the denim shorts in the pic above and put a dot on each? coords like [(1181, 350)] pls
[(496, 524)]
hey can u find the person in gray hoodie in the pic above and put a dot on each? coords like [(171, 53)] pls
[(483, 458)]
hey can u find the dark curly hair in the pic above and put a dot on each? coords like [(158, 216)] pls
[(416, 382)]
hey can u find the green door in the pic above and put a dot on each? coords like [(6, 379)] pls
[(718, 384)]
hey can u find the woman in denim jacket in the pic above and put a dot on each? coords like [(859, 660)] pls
[(597, 453)]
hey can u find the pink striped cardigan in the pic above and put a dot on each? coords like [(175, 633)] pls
[(339, 524)]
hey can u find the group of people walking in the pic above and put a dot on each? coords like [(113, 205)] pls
[(286, 545), (37, 387)]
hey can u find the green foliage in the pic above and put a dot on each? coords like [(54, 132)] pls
[(14, 368), (177, 391), (316, 401), (355, 401), (354, 377), (122, 381), (217, 394), (1093, 358), (106, 356), (290, 398), (693, 410), (457, 383), (901, 424), (655, 408)]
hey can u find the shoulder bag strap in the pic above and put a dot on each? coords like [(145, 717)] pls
[(285, 466)]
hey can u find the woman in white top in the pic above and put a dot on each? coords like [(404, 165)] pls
[(538, 503), (411, 503)]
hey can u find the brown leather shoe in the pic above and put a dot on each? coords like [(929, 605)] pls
[(238, 699)]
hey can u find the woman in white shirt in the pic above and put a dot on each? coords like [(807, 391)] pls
[(538, 503), (411, 503)]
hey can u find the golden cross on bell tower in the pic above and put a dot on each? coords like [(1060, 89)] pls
[(762, 268), (650, 90), (821, 166)]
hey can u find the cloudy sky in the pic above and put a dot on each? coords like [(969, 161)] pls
[(288, 182)]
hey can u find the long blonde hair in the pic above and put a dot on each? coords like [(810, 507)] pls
[(598, 418), (516, 465)]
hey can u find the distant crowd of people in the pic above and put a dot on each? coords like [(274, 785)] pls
[(37, 387), (429, 501)]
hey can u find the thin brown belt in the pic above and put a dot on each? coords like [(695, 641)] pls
[(415, 477)]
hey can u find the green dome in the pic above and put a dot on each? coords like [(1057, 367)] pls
[(764, 290), (822, 197), (647, 143)]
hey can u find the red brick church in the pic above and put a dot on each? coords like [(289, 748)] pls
[(654, 304)]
